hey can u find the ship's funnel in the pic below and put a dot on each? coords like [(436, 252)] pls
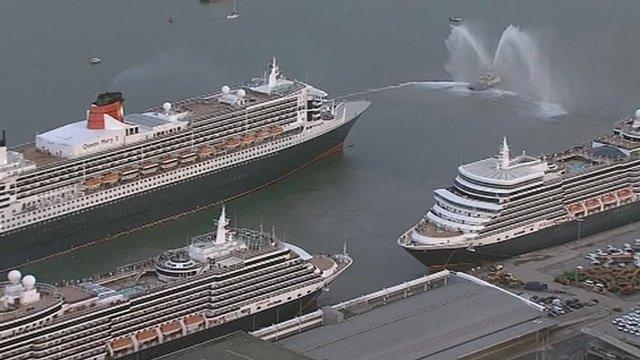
[(109, 103)]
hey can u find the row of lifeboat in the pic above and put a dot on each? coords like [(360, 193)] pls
[(167, 330), (184, 157), (597, 203), (250, 138)]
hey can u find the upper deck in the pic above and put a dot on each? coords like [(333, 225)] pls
[(193, 111)]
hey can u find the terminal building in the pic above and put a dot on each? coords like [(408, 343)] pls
[(444, 315)]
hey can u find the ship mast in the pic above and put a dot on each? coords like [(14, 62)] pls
[(221, 234), (504, 153)]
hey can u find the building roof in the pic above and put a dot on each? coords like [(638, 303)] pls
[(458, 319), (237, 346)]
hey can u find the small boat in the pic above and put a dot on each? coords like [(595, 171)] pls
[(205, 151), (148, 167), (129, 173), (146, 336), (234, 12), (170, 328), (485, 81), (455, 19), (609, 198), (170, 19), (187, 157), (95, 60), (110, 178), (92, 183), (168, 162), (576, 208), (232, 143), (263, 134), (592, 204), (122, 344), (248, 139), (275, 130)]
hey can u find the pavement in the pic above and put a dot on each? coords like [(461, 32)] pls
[(545, 265)]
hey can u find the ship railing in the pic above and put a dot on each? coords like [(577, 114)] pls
[(265, 296)]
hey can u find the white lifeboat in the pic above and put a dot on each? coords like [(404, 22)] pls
[(168, 162), (129, 173), (148, 167), (187, 156)]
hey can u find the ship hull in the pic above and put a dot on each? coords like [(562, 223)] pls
[(136, 211), (256, 321), (548, 237)]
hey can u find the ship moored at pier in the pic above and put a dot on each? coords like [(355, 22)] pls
[(228, 280), (113, 172), (509, 205)]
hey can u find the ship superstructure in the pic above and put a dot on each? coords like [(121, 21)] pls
[(60, 191), (224, 281), (512, 204)]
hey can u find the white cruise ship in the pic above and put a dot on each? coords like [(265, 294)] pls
[(224, 281), (113, 172), (513, 204)]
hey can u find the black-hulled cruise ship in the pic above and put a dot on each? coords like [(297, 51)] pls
[(113, 172), (513, 204), (224, 281)]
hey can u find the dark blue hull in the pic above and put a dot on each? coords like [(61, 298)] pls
[(548, 237), (82, 228)]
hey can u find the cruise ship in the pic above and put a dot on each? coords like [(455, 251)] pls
[(513, 204), (223, 281), (113, 172)]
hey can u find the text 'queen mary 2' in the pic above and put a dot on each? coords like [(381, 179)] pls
[(113, 172), (510, 205)]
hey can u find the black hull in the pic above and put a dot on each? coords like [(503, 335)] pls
[(548, 237), (82, 228), (262, 319)]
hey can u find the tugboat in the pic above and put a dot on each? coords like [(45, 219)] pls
[(234, 12), (485, 81)]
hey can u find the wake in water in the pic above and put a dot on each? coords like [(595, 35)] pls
[(431, 85), (518, 60), (533, 108)]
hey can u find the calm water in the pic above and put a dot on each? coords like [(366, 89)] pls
[(409, 141)]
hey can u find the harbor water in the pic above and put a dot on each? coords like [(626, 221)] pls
[(423, 122)]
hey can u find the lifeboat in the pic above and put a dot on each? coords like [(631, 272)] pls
[(263, 134), (92, 183), (232, 143), (187, 157), (609, 199), (129, 173), (168, 162), (625, 194), (170, 328), (122, 344), (276, 130), (194, 320), (205, 151), (592, 204), (248, 139), (146, 336), (110, 178), (148, 167), (576, 208)]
